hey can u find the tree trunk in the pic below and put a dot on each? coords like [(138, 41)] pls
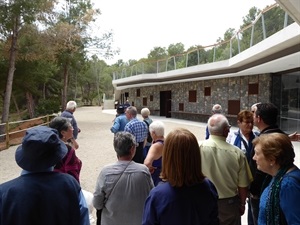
[(10, 75), (30, 104)]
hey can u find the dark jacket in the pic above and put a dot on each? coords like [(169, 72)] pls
[(46, 198)]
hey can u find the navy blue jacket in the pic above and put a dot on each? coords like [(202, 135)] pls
[(46, 198)]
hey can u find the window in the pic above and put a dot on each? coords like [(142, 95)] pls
[(138, 92), (151, 98), (192, 96), (207, 91), (233, 107), (181, 107), (253, 89), (144, 101)]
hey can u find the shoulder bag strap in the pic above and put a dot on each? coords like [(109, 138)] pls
[(115, 184)]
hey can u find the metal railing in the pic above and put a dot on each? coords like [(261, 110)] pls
[(12, 133), (250, 35)]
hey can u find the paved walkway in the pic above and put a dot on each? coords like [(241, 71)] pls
[(95, 144)]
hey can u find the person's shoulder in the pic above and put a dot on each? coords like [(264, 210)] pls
[(10, 183), (108, 167), (139, 166), (66, 114), (293, 177)]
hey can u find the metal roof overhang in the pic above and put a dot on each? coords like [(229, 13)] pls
[(292, 7), (279, 52)]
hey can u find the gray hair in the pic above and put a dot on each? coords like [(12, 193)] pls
[(145, 112), (217, 123), (123, 142), (216, 109), (132, 111), (157, 127), (71, 105), (60, 123)]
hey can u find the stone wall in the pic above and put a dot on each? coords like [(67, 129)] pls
[(222, 90)]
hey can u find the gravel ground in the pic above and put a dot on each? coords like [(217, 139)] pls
[(95, 144)]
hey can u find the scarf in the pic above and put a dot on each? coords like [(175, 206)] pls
[(273, 210)]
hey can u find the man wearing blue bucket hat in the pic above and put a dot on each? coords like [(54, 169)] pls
[(40, 195)]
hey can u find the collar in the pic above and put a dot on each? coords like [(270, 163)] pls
[(216, 137), (24, 172)]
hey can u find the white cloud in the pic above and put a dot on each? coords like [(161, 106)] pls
[(139, 25)]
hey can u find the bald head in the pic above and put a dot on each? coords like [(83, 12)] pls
[(218, 125)]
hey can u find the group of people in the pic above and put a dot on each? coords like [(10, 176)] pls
[(48, 190), (173, 180), (148, 134)]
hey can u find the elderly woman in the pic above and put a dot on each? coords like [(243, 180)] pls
[(185, 196), (145, 112), (244, 136), (70, 163), (154, 156), (279, 202)]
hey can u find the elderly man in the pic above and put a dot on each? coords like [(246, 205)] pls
[(139, 129), (122, 187), (216, 109), (40, 195), (227, 167), (68, 113)]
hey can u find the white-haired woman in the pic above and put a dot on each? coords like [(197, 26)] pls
[(154, 156), (145, 112)]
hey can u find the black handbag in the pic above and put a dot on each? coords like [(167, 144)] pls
[(98, 215)]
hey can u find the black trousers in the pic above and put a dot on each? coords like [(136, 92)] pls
[(138, 157)]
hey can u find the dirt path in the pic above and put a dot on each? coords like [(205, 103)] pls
[(95, 144)]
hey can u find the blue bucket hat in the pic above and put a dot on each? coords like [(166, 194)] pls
[(41, 148)]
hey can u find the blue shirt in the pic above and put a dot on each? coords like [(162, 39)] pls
[(138, 128), (289, 196), (197, 204), (119, 123), (70, 116)]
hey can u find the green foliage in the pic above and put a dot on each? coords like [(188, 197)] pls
[(47, 106), (175, 49), (157, 53)]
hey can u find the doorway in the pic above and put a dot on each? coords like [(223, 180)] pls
[(165, 103)]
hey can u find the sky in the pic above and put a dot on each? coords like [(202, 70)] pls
[(139, 26)]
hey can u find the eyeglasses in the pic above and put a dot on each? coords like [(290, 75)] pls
[(247, 122)]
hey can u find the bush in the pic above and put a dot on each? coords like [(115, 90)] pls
[(47, 107)]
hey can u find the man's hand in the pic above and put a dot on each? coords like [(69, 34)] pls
[(294, 136)]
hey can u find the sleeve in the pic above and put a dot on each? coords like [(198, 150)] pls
[(149, 213), (128, 128), (99, 194), (84, 212), (229, 138), (245, 175), (289, 199), (214, 217), (116, 126), (75, 127)]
